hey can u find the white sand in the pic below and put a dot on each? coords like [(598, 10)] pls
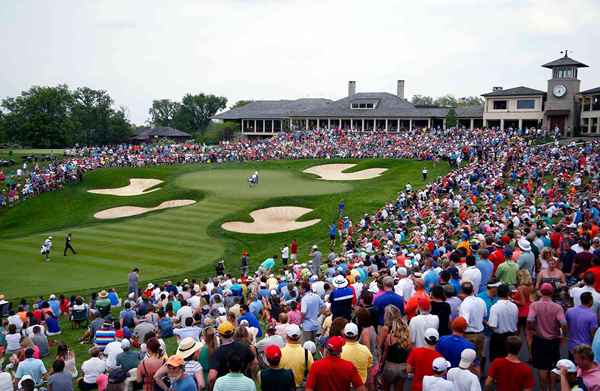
[(333, 172), (272, 220), (136, 187), (127, 211)]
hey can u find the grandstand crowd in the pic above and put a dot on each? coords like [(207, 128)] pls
[(486, 278)]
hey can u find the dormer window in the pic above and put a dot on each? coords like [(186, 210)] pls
[(364, 104)]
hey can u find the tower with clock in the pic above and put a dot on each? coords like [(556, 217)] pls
[(561, 103)]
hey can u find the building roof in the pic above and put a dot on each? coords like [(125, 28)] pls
[(160, 131), (387, 105), (591, 91), (517, 91), (272, 108), (475, 111), (564, 61)]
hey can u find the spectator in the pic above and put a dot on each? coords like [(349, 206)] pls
[(420, 360), (33, 367), (510, 373), (587, 369), (436, 381), (462, 377), (332, 372), (60, 380), (275, 378)]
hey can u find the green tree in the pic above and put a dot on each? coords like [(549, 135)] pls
[(451, 120), (445, 101), (196, 110), (93, 114), (40, 117), (241, 103), (163, 112), (219, 131), (421, 100), (470, 101)]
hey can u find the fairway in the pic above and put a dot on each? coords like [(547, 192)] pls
[(168, 243)]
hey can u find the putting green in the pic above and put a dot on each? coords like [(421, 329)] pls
[(233, 183)]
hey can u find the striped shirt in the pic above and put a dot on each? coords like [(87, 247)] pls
[(104, 337), (234, 382)]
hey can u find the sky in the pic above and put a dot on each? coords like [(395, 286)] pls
[(141, 50)]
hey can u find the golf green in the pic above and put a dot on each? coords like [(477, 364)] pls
[(182, 241)]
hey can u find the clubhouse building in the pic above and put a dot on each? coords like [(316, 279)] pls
[(561, 106)]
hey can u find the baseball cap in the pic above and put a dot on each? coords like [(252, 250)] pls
[(335, 344), (175, 361), (125, 344), (466, 358), (440, 364), (273, 353), (431, 336), (564, 363), (310, 346), (546, 289), (293, 331), (351, 330), (459, 324), (226, 329)]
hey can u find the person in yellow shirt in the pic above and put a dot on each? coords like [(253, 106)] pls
[(356, 353), (294, 356)]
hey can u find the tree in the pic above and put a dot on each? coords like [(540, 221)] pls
[(241, 103), (163, 112), (421, 100), (196, 111), (40, 117), (451, 120), (219, 131), (445, 101), (470, 101)]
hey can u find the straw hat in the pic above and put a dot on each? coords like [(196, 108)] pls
[(187, 347)]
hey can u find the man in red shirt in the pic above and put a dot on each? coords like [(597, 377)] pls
[(509, 373), (497, 256), (595, 270), (333, 373), (420, 360)]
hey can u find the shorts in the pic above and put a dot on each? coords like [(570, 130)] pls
[(394, 372), (545, 352), (478, 340)]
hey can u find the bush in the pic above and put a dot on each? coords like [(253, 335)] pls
[(217, 132)]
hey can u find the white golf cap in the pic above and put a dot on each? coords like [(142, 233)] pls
[(440, 364), (125, 344), (564, 363), (340, 281), (293, 331), (310, 346), (466, 358), (431, 335), (351, 330)]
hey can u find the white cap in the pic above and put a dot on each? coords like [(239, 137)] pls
[(310, 346), (402, 271), (273, 292), (293, 331), (440, 364), (431, 335), (150, 285), (26, 377), (125, 344), (351, 330), (52, 296), (340, 281), (466, 358), (564, 363)]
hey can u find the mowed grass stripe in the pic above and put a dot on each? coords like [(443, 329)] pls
[(150, 231), (174, 245)]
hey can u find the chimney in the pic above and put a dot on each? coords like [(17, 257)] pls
[(494, 89), (400, 92), (351, 87)]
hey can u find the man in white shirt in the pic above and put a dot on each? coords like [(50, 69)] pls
[(462, 377), (504, 315), (405, 287), (111, 351), (472, 273), (183, 313), (91, 369), (437, 382), (577, 291), (420, 323), (474, 310)]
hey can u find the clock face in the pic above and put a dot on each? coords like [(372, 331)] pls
[(559, 90)]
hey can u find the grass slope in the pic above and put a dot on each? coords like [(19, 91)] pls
[(184, 240)]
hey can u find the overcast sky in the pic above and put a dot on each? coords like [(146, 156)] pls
[(140, 50)]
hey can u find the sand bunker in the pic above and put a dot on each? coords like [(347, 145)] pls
[(272, 220), (333, 172), (127, 211), (136, 187)]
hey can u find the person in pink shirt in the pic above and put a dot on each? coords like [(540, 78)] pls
[(587, 369), (294, 315)]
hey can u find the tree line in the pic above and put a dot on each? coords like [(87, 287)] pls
[(57, 116), (447, 101)]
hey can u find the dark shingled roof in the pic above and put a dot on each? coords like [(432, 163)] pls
[(591, 91), (272, 108), (475, 111), (564, 61), (160, 131), (517, 91), (388, 105)]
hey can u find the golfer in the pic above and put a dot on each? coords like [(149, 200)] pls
[(68, 245), (46, 248), (424, 172)]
